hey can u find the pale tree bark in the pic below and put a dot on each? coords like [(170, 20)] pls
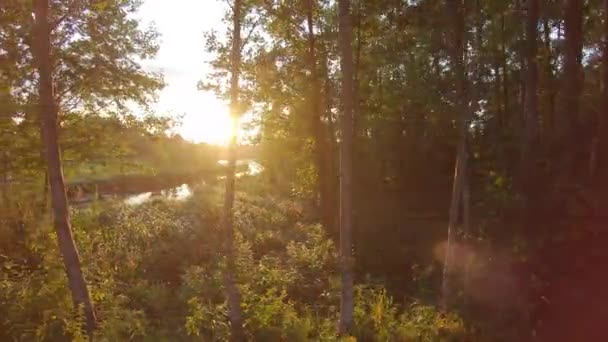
[(233, 296), (346, 150), (456, 13), (48, 110)]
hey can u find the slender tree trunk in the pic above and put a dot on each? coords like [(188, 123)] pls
[(332, 141), (44, 206), (233, 296), (4, 179), (550, 82), (356, 71), (505, 72), (604, 110), (331, 128), (49, 131), (521, 54), (466, 222), (322, 148), (599, 155), (474, 107), (456, 12), (346, 257), (5, 156), (530, 141), (498, 94), (572, 81)]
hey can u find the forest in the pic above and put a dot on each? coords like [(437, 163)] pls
[(413, 170)]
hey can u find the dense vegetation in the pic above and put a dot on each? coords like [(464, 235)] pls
[(154, 273), (474, 132)]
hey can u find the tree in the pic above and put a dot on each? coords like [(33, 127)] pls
[(456, 13), (346, 150), (572, 81), (49, 126), (235, 313), (530, 141), (476, 64), (292, 79), (600, 152), (604, 112), (96, 49), (605, 62), (322, 144)]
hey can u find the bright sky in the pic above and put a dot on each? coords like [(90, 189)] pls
[(182, 59)]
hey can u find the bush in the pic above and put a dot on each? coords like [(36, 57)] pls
[(155, 274)]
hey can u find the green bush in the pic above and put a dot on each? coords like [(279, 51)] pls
[(155, 274)]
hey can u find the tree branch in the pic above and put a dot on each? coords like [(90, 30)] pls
[(70, 10)]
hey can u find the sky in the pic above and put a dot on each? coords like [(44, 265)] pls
[(182, 59)]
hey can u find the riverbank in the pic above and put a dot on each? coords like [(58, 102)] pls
[(138, 185)]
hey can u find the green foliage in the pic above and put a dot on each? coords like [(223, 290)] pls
[(155, 274), (378, 318)]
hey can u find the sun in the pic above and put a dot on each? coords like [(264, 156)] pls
[(210, 124)]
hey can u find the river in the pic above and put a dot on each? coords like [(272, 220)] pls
[(184, 191)]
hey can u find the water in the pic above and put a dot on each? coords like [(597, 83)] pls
[(254, 167), (179, 193), (138, 199), (184, 191)]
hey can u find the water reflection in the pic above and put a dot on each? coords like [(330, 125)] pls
[(179, 193), (184, 191), (138, 199), (254, 167)]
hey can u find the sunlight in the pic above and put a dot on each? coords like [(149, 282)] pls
[(211, 125)]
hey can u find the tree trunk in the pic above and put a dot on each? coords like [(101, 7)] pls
[(599, 155), (549, 118), (521, 54), (331, 128), (466, 222), (346, 258), (456, 12), (44, 205), (530, 141), (474, 107), (603, 143), (498, 94), (322, 147), (356, 71), (4, 179), (233, 296), (49, 130), (505, 73), (572, 81)]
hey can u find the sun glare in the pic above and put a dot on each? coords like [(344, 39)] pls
[(212, 124)]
